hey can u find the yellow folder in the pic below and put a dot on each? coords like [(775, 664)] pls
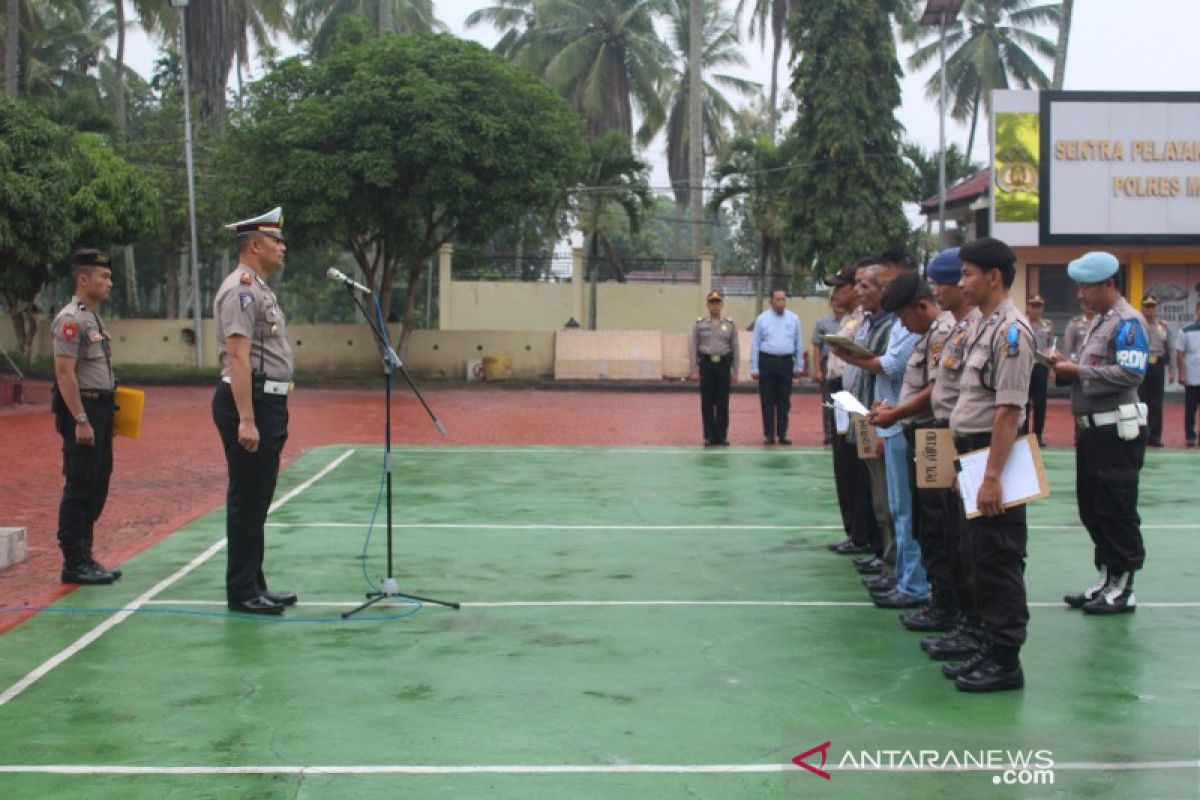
[(127, 420)]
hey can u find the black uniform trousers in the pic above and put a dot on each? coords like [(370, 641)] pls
[(1106, 486), (775, 392), (994, 559), (845, 464), (1191, 400), (715, 380), (1039, 383), (1150, 392), (86, 472), (252, 479), (929, 525)]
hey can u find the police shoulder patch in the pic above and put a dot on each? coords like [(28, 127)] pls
[(245, 299), (70, 330), (1013, 338)]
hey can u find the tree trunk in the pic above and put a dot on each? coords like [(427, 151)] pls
[(132, 301), (12, 41), (773, 111), (1064, 39), (760, 291), (974, 122), (410, 295), (385, 17), (24, 322), (120, 68), (696, 122)]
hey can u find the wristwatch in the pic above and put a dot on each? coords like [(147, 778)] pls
[(81, 419)]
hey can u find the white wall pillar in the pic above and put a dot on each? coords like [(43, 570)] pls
[(445, 261), (578, 287), (706, 284)]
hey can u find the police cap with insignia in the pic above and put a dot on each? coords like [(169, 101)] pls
[(945, 268), (269, 224), (86, 258), (843, 277), (990, 253), (714, 295), (1094, 267), (1149, 300)]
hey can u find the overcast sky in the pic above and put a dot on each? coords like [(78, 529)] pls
[(1148, 45)]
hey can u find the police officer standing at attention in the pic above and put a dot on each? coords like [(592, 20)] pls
[(83, 415), (1043, 337), (713, 357), (1151, 391), (1110, 437), (776, 355), (250, 405), (993, 393)]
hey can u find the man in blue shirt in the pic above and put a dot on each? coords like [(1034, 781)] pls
[(776, 355)]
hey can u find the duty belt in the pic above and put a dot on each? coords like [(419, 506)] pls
[(95, 394), (273, 387), (1155, 359), (1084, 421)]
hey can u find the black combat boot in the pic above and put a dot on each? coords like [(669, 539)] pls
[(1117, 597), (1088, 594), (999, 672)]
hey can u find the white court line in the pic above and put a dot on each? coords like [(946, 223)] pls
[(643, 603), (502, 526), (145, 598), (546, 769)]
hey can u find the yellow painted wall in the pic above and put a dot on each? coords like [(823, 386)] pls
[(509, 305)]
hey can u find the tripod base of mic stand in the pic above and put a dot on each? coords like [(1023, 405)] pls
[(390, 589)]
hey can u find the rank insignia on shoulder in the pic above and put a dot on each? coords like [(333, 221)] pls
[(1014, 340), (246, 279)]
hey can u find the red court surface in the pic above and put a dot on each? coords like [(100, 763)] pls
[(175, 472)]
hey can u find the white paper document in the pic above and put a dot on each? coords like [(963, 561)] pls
[(1021, 481), (848, 402)]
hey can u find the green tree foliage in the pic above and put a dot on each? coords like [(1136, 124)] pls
[(923, 170), (392, 147), (58, 190), (845, 190), (316, 21), (770, 15)]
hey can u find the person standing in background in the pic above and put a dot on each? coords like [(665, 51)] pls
[(1043, 337), (826, 325), (776, 357), (713, 357), (1187, 356), (1151, 391)]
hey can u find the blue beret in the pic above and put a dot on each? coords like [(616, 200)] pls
[(1093, 267), (945, 268)]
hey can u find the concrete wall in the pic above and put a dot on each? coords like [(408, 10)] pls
[(509, 305)]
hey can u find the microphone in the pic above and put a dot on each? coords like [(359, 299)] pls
[(341, 277)]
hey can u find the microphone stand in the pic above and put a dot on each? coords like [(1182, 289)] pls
[(393, 364)]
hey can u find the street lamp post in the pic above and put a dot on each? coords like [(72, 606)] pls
[(941, 12), (191, 179)]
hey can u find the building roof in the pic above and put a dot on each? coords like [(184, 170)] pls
[(964, 192)]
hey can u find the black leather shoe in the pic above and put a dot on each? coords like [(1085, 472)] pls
[(929, 619), (784, 440), (959, 668), (872, 567), (256, 605), (723, 443), (954, 646), (88, 575), (880, 582), (849, 548), (991, 676), (833, 546), (116, 573), (281, 598), (768, 440), (898, 599), (858, 562)]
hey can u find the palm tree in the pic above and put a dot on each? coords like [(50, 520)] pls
[(772, 16), (719, 49), (316, 20), (257, 20), (604, 56), (65, 56), (514, 17), (12, 41), (988, 48), (1064, 39)]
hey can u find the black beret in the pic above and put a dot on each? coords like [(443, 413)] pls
[(988, 253), (901, 292)]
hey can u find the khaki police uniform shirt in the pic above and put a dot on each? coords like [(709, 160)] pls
[(1076, 329), (246, 306), (950, 366), (835, 367), (1159, 334), (922, 366), (78, 333), (713, 339), (1043, 334), (1104, 383), (1000, 358)]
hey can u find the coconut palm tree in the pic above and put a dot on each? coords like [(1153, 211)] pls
[(513, 17), (65, 56), (316, 20), (990, 46), (770, 16), (1064, 39), (719, 49), (258, 21)]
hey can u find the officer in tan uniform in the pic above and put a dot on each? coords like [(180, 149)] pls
[(713, 359), (1043, 337), (857, 521), (250, 405), (82, 403), (1151, 391), (1076, 330), (1110, 438), (993, 393)]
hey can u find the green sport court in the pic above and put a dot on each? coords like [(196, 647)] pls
[(635, 623)]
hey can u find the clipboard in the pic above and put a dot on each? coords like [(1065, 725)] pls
[(849, 345), (1023, 479), (127, 419)]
